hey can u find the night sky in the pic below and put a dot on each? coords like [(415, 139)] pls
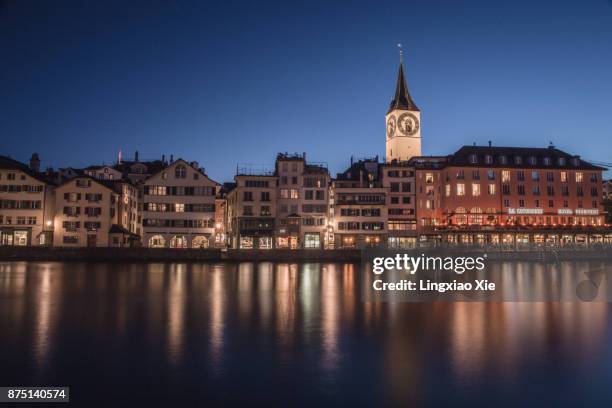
[(236, 82)]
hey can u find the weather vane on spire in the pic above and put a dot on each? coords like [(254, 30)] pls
[(401, 52)]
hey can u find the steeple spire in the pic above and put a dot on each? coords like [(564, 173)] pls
[(402, 99)]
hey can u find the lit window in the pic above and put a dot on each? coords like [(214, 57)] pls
[(179, 207), (564, 177), (448, 190), (429, 178), (578, 177), (475, 189), (491, 189), (460, 189), (505, 175)]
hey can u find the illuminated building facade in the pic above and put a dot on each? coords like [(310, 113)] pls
[(179, 207), (507, 194)]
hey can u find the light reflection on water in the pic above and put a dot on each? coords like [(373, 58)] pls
[(223, 331)]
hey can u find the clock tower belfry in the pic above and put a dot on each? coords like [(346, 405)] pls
[(403, 123)]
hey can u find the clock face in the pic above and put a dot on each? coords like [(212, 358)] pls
[(408, 124), (391, 126)]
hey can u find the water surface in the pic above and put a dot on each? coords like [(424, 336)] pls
[(282, 334)]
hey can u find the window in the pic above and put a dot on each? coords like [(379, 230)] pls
[(294, 180), (180, 172), (535, 176), (506, 189), (448, 190), (579, 177), (284, 193), (505, 176), (491, 189), (475, 189), (579, 191), (506, 202), (248, 196), (265, 211), (429, 178), (320, 194), (265, 196), (473, 158), (550, 176), (394, 200), (532, 160), (179, 207), (460, 175), (536, 190), (395, 187), (406, 199), (295, 193), (561, 161), (490, 175), (551, 203), (521, 203), (488, 159), (460, 189), (256, 183), (547, 161), (503, 159), (406, 187), (520, 175), (521, 189), (518, 160), (247, 210), (564, 190), (593, 177), (550, 190), (594, 192), (475, 175)]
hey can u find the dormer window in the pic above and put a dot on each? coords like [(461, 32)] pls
[(518, 160), (532, 160), (561, 161), (503, 159), (575, 162), (547, 161), (488, 159), (473, 159)]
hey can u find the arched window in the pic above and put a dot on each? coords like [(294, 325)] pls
[(178, 241), (460, 216), (157, 241), (180, 172), (476, 216), (199, 241)]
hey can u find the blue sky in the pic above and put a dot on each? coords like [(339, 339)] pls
[(236, 82)]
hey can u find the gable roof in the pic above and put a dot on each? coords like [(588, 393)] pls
[(177, 161), (8, 163)]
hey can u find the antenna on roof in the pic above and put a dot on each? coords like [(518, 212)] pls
[(401, 53)]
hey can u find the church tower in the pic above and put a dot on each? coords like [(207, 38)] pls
[(403, 123)]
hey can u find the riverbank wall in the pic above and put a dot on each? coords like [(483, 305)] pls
[(278, 255)]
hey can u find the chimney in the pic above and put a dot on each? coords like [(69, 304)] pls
[(163, 158), (136, 156), (171, 158), (360, 178), (35, 162), (489, 143)]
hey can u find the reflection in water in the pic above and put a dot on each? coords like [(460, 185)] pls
[(330, 317), (209, 323), (176, 311)]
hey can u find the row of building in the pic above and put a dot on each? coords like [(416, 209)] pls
[(477, 195)]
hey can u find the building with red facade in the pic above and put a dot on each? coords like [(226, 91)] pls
[(487, 194)]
